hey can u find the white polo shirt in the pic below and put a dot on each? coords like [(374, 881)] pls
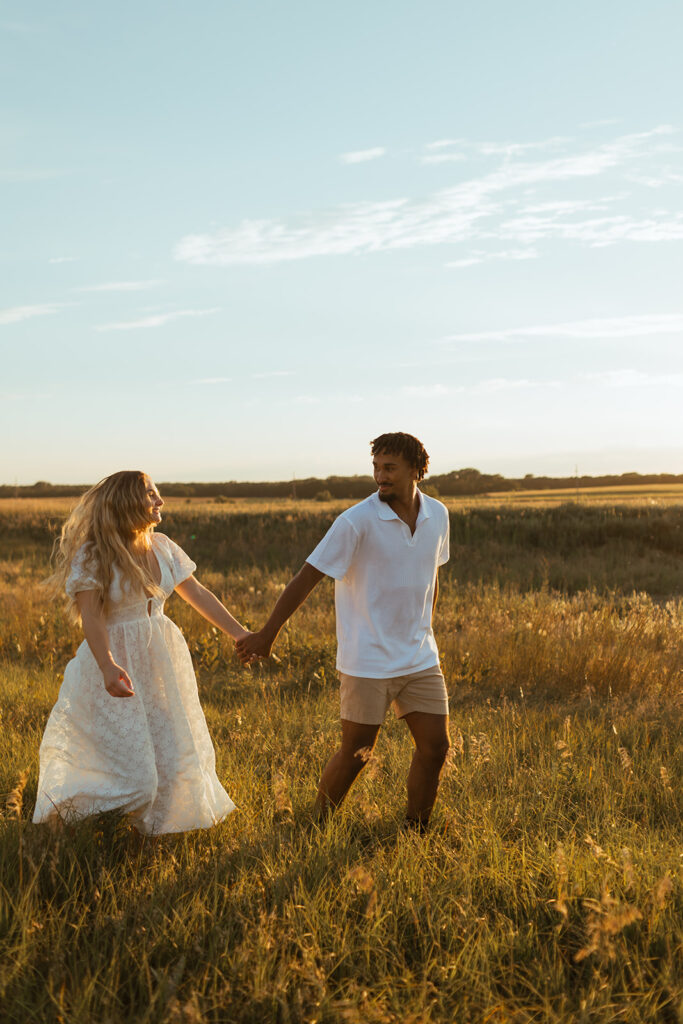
[(384, 586)]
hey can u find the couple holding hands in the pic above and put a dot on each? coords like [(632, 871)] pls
[(128, 732)]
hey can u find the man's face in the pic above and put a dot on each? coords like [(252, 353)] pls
[(394, 476)]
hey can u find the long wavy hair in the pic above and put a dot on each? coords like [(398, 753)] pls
[(108, 526)]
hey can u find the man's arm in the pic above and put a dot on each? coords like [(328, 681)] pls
[(436, 590), (295, 593)]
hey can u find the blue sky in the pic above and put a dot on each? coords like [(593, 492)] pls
[(240, 240)]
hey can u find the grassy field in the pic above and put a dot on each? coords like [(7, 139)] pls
[(648, 495), (653, 494), (551, 886)]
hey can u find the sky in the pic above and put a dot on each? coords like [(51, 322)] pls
[(239, 240)]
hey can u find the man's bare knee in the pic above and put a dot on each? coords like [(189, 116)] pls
[(435, 752), (356, 758), (358, 742)]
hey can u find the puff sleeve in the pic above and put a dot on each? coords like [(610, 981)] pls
[(81, 576), (182, 566)]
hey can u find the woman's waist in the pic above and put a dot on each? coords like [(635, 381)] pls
[(135, 617)]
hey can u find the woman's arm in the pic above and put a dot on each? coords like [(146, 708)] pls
[(116, 680), (208, 605)]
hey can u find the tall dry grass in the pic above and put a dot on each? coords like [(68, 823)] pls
[(549, 890)]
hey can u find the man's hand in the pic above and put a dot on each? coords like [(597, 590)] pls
[(117, 681), (253, 646), (258, 645)]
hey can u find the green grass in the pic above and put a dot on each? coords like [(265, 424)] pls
[(550, 888)]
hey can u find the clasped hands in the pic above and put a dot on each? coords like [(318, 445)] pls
[(253, 646)]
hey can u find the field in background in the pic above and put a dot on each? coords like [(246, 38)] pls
[(551, 888), (668, 494), (664, 494)]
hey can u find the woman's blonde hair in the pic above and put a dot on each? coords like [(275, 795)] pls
[(108, 525)]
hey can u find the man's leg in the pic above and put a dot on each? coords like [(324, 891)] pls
[(343, 767), (430, 733)]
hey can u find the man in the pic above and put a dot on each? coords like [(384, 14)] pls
[(384, 554)]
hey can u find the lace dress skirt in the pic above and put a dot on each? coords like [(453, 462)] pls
[(149, 755)]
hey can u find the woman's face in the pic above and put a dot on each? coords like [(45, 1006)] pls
[(153, 502)]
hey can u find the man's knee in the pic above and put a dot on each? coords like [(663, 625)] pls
[(435, 750), (357, 756), (358, 742)]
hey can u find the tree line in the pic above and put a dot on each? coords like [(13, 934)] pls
[(458, 482)]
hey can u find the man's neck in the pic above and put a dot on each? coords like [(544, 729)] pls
[(406, 506)]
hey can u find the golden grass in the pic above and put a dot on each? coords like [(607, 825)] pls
[(645, 494), (224, 506), (642, 494), (550, 888)]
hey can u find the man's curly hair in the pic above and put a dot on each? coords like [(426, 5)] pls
[(412, 450)]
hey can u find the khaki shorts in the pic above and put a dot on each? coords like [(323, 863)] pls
[(365, 701)]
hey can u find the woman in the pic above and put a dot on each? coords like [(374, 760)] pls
[(127, 732)]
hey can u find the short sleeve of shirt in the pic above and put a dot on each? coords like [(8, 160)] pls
[(444, 550), (81, 577), (335, 552), (182, 566)]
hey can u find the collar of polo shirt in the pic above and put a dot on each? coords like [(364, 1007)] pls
[(385, 511)]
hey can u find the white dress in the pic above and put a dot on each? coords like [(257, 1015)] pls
[(149, 755)]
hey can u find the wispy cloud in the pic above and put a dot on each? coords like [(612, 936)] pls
[(597, 232), (15, 314), (495, 384), (565, 207), (488, 386), (466, 149), (602, 123), (479, 209), (156, 320), (443, 158), (607, 327), (361, 156), (665, 176), (486, 257), (445, 144), (63, 259), (431, 390), (344, 399), (636, 379), (120, 286), (273, 373), (510, 149), (211, 380)]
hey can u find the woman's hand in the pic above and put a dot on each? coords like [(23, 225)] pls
[(242, 635), (117, 681), (253, 646)]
